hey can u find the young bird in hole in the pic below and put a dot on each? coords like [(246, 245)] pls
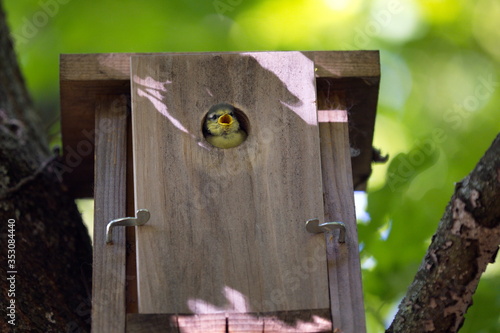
[(222, 128)]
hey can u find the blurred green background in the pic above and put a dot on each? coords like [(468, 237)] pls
[(437, 112)]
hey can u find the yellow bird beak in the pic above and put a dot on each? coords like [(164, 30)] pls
[(225, 120)]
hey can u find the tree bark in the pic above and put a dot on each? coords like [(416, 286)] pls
[(466, 241), (49, 279), (45, 285)]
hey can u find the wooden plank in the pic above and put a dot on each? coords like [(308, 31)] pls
[(228, 223), (359, 96), (336, 64), (78, 101), (245, 322), (131, 266), (344, 271), (108, 279), (151, 323), (206, 323), (83, 76), (175, 323), (303, 321), (116, 66), (311, 321)]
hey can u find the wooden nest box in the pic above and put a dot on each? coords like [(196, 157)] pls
[(259, 237)]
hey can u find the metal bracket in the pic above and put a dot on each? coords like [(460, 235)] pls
[(142, 216), (314, 227)]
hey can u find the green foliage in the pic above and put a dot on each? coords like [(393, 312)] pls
[(438, 105)]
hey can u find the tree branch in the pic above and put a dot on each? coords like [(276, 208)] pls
[(466, 241)]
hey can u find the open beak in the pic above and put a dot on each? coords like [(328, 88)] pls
[(225, 120)]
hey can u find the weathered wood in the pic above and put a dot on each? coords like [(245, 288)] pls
[(336, 64), (131, 266), (152, 323), (317, 321), (227, 225), (207, 323), (359, 97), (116, 66), (78, 100), (175, 323), (303, 321), (84, 76), (245, 322), (108, 280), (344, 271)]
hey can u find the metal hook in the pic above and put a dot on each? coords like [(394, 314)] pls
[(314, 227), (142, 216)]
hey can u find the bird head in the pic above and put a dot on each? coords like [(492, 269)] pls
[(221, 119)]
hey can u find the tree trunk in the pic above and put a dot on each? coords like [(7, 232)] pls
[(466, 241), (45, 286), (46, 282)]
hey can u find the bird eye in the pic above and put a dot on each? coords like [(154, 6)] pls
[(212, 117)]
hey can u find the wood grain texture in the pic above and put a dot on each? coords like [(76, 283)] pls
[(304, 321), (84, 76), (131, 265), (359, 96), (152, 323), (108, 280), (78, 101), (337, 64), (227, 226), (207, 323), (344, 270), (317, 321), (116, 66), (245, 322)]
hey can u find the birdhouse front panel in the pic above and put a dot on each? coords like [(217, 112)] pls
[(227, 161)]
